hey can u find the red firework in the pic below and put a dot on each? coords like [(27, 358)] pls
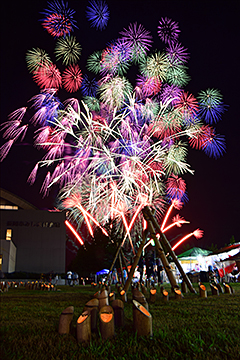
[(202, 138), (72, 78), (48, 77), (187, 104)]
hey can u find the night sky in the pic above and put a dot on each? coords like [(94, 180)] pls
[(210, 32)]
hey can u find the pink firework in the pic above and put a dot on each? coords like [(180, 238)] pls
[(4, 150), (149, 86), (168, 30), (48, 77), (72, 78)]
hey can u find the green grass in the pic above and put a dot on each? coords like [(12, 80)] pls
[(192, 328)]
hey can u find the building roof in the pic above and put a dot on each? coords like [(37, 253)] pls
[(7, 198)]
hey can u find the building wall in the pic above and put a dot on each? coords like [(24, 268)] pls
[(40, 239), (8, 252)]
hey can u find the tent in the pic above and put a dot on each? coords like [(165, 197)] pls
[(194, 252), (103, 272), (194, 259)]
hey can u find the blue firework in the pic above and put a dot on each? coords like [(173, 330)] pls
[(211, 113), (89, 87), (215, 146), (58, 20), (98, 14)]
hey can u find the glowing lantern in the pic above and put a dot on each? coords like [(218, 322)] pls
[(106, 322), (84, 327), (123, 295), (202, 290), (153, 295), (178, 294), (142, 320)]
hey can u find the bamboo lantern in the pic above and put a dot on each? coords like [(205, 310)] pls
[(178, 294), (139, 297), (220, 289), (214, 289), (184, 287), (202, 290), (111, 296), (92, 307), (103, 299), (165, 295), (142, 320), (84, 327), (118, 308), (120, 288), (153, 295), (232, 289), (123, 295), (65, 320), (106, 322), (227, 289)]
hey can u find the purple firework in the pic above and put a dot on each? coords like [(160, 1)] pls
[(138, 38), (168, 30), (170, 92), (98, 14), (177, 54), (58, 19)]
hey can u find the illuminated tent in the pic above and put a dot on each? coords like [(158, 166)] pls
[(194, 259)]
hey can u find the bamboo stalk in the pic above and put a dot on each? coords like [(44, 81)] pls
[(134, 264), (148, 217), (147, 212), (113, 263)]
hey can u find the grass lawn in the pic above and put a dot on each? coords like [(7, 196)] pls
[(192, 328)]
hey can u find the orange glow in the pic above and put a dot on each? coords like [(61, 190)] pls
[(106, 317), (153, 291), (144, 310), (82, 318), (67, 223), (202, 287), (122, 292), (165, 293), (177, 291)]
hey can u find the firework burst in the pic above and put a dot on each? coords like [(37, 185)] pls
[(36, 58), (58, 19), (98, 14), (138, 39), (68, 49), (168, 31), (72, 78), (48, 77)]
